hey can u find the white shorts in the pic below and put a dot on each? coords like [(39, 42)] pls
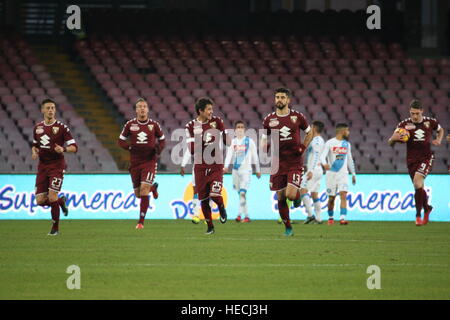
[(312, 185), (336, 182), (241, 179)]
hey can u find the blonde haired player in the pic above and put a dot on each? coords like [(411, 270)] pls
[(337, 159)]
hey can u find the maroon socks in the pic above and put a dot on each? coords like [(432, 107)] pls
[(145, 200), (284, 212)]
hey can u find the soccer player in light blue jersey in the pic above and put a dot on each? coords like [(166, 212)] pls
[(337, 159), (243, 154), (312, 176)]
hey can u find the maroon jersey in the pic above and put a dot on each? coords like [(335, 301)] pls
[(46, 137), (289, 127), (210, 134), (418, 146), (143, 140)]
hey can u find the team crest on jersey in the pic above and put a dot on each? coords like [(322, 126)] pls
[(55, 130), (134, 127), (410, 126), (294, 119), (273, 123), (213, 124), (426, 124), (150, 127), (39, 130)]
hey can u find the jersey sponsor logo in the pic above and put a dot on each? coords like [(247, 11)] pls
[(419, 135), (426, 124), (294, 119), (285, 132), (273, 123), (45, 140), (150, 127), (134, 127), (410, 126), (339, 150), (55, 130), (239, 147), (142, 137)]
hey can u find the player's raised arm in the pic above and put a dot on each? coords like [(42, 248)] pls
[(122, 141)]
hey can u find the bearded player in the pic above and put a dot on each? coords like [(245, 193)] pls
[(284, 126), (337, 160), (419, 156), (206, 139), (49, 137), (146, 141)]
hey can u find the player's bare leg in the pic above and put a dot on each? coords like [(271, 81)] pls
[(331, 209), (343, 196), (284, 209), (317, 207), (143, 193)]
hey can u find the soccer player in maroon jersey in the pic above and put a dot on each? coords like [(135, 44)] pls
[(204, 136), (146, 141), (419, 156), (49, 137), (287, 179)]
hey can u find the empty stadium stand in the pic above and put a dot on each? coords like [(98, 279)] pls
[(24, 83), (363, 81), (336, 74)]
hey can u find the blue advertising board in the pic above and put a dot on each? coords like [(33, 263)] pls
[(110, 196)]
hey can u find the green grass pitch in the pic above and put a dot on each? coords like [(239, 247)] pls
[(175, 260)]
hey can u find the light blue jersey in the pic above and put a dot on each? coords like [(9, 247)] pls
[(338, 154)]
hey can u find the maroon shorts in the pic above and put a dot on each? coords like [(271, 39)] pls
[(422, 167), (143, 173), (280, 181), (208, 182), (49, 177)]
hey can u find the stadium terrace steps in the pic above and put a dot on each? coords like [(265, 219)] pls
[(88, 104)]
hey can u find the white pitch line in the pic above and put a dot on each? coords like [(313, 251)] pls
[(253, 265)]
